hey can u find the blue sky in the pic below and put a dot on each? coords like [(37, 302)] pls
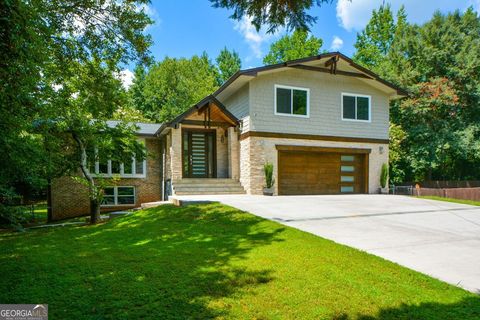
[(185, 28)]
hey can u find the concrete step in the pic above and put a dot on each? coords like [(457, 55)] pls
[(198, 192), (207, 186), (209, 189), (205, 182)]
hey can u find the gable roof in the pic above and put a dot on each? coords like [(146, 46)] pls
[(202, 104), (333, 62)]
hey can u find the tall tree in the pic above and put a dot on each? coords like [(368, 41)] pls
[(173, 85), (294, 46), (228, 62), (275, 14), (58, 76), (374, 42), (439, 63)]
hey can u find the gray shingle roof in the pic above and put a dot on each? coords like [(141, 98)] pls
[(148, 129)]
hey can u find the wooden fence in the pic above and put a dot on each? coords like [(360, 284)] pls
[(454, 193)]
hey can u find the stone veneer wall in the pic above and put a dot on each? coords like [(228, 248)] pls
[(70, 198), (255, 151)]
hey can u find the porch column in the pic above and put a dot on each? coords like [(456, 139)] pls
[(176, 154), (233, 154)]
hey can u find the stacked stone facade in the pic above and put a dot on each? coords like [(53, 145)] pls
[(255, 151)]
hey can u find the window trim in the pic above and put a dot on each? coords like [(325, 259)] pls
[(361, 96), (115, 197), (121, 174), (281, 86)]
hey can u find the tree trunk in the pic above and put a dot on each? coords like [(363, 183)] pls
[(92, 190), (49, 201), (94, 211)]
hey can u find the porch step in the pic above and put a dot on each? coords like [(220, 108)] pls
[(207, 186)]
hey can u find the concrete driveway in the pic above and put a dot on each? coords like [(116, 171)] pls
[(437, 238)]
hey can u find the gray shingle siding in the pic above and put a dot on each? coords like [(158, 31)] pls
[(325, 105), (237, 103)]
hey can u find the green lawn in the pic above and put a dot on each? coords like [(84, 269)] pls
[(212, 261), (470, 202)]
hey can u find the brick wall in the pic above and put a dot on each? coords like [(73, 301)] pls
[(70, 198)]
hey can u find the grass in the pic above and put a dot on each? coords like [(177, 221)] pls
[(212, 261), (470, 202)]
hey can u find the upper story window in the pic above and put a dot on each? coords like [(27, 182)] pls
[(356, 107), (292, 101)]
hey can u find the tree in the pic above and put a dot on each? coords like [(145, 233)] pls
[(430, 120), (275, 14), (437, 128), (58, 81), (173, 85), (295, 46), (136, 90), (374, 42), (228, 63)]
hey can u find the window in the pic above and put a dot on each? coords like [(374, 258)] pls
[(346, 189), (128, 169), (347, 158), (355, 107), (118, 196), (346, 179), (292, 101), (347, 168)]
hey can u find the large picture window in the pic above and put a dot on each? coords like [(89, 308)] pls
[(118, 196), (356, 107), (292, 101)]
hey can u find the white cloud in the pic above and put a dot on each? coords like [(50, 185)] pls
[(337, 43), (152, 13), (254, 39), (355, 14), (126, 76)]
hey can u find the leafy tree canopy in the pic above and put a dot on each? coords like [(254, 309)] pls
[(58, 83), (273, 13), (228, 62), (374, 42), (173, 85), (295, 46), (437, 128)]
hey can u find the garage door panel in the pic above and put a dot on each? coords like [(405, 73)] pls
[(320, 173)]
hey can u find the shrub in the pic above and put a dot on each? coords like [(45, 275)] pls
[(268, 169), (384, 175)]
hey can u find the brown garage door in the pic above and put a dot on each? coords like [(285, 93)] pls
[(306, 172)]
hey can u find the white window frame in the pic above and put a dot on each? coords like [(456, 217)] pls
[(115, 197), (361, 96), (122, 173), (109, 173), (280, 86)]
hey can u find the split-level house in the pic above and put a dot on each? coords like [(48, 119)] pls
[(321, 121)]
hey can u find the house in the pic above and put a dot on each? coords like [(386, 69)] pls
[(322, 121)]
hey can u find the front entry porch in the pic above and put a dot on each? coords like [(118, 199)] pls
[(202, 151)]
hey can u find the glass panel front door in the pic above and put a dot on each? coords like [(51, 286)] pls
[(198, 154)]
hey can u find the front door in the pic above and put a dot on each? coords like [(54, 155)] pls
[(199, 154)]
